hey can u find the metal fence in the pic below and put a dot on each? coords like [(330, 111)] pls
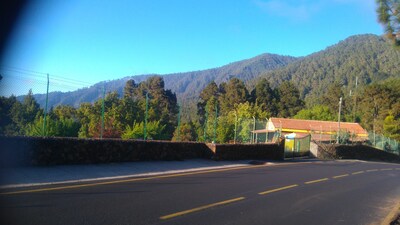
[(246, 128), (383, 143)]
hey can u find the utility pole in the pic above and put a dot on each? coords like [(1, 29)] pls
[(266, 129), (355, 101), (179, 124), (45, 109), (102, 112), (340, 109), (254, 128), (215, 121), (146, 116), (205, 126), (375, 114), (234, 139)]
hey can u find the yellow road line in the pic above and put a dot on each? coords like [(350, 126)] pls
[(339, 176), (124, 181), (278, 189), (201, 208), (387, 169), (359, 172), (144, 178), (374, 170), (315, 181)]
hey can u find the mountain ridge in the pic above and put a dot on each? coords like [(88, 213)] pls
[(369, 57), (187, 85)]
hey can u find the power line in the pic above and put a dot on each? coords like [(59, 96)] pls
[(26, 70), (36, 82), (35, 73)]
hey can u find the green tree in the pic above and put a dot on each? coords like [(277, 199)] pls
[(163, 104), (88, 118), (391, 127), (36, 128), (289, 100), (246, 113), (389, 16), (210, 118), (332, 96), (186, 133), (225, 128), (7, 126), (129, 89), (64, 111), (318, 112), (232, 93), (91, 118), (112, 116), (66, 121), (378, 101), (155, 130), (211, 90), (264, 96), (129, 109), (25, 113)]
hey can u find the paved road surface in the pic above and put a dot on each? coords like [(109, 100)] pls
[(342, 192)]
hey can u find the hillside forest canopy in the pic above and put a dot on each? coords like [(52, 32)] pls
[(219, 106)]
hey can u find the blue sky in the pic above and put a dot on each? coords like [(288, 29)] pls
[(81, 42)]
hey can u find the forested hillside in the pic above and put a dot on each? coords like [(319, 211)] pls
[(224, 112), (187, 86), (370, 58)]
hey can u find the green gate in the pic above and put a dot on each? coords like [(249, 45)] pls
[(297, 145)]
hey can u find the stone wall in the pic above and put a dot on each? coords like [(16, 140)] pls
[(38, 151)]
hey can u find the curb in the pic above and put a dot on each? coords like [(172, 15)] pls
[(392, 216), (8, 186)]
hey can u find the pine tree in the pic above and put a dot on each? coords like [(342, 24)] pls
[(233, 93), (289, 100), (265, 97), (389, 16), (210, 91)]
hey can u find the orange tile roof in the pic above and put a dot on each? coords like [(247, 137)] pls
[(317, 125)]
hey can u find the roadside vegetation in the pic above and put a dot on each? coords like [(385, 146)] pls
[(375, 106)]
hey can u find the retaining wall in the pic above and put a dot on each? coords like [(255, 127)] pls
[(361, 152), (248, 151), (24, 151), (38, 151), (364, 152)]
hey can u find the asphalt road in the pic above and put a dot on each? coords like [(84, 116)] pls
[(343, 192)]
